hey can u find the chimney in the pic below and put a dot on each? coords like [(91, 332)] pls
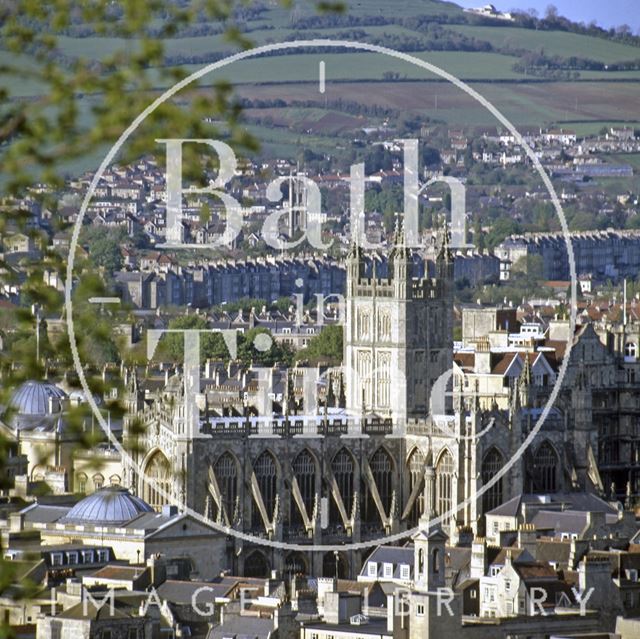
[(158, 567), (479, 558), (483, 356), (527, 539), (465, 536), (596, 523), (391, 605)]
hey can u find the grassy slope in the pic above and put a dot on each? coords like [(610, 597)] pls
[(552, 42), (525, 104)]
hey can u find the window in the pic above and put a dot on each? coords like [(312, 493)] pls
[(630, 350), (98, 481), (416, 476), (435, 561), (267, 477), (444, 483), (103, 555), (388, 570), (420, 610), (507, 584), (473, 594), (87, 556), (544, 472), (158, 469), (82, 483), (492, 463), (304, 470), (372, 569), (381, 468), (56, 559), (72, 557), (225, 471), (343, 470), (405, 572)]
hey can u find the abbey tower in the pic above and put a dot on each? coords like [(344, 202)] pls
[(398, 333)]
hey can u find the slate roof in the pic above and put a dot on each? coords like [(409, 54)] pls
[(242, 628), (585, 502)]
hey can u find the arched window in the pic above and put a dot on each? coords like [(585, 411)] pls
[(81, 483), (114, 480), (491, 464), (435, 561), (304, 470), (267, 476), (382, 471), (630, 350), (295, 564), (444, 483), (342, 467), (416, 476), (158, 470), (545, 468), (98, 482), (334, 564), (256, 565), (226, 471)]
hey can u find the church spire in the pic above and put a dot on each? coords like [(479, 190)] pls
[(524, 381), (400, 260)]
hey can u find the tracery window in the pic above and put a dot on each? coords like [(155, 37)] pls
[(444, 483), (226, 471), (491, 464)]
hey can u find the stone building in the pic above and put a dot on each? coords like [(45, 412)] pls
[(311, 470)]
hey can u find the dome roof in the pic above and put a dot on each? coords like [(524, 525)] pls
[(32, 398), (109, 506)]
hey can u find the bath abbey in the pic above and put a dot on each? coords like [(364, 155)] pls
[(407, 426)]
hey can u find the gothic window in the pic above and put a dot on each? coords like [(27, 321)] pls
[(491, 464), (416, 476), (384, 381), (295, 564), (544, 472), (267, 476), (304, 470), (342, 467), (363, 327), (382, 472), (158, 471), (384, 326), (364, 376), (256, 565), (444, 483), (335, 565), (226, 471)]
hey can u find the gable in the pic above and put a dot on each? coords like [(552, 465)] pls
[(184, 527)]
